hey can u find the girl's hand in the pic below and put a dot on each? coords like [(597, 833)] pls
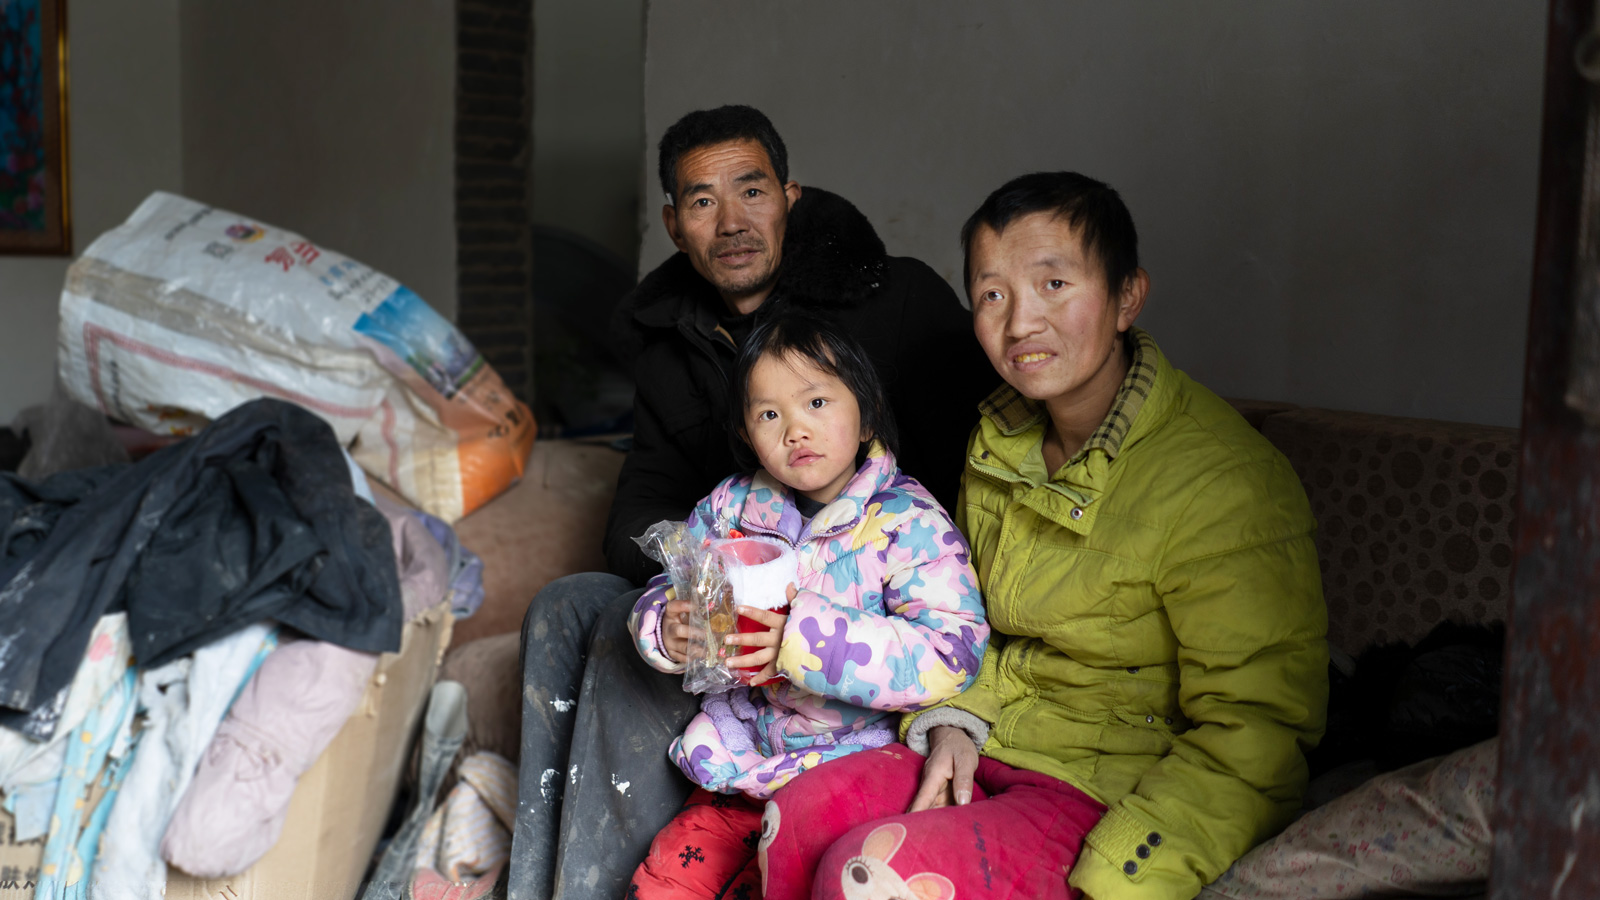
[(768, 641), (675, 630), (947, 775)]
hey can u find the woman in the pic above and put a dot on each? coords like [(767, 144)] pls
[(1158, 663)]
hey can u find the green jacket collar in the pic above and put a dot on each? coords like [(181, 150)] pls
[(1010, 438)]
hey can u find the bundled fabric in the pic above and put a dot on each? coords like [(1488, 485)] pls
[(444, 727), (1421, 831), (469, 835), (234, 811), (30, 512), (466, 568), (425, 564), (1404, 703), (97, 757), (109, 794), (180, 705), (29, 770), (65, 435), (263, 497)]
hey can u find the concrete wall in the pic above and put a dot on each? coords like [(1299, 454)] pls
[(1336, 199), (588, 119), (125, 142), (335, 120)]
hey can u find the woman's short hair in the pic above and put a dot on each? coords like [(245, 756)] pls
[(1093, 209)]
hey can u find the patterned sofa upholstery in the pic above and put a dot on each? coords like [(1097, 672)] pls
[(1414, 526), (1414, 518)]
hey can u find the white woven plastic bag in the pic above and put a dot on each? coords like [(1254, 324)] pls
[(185, 311)]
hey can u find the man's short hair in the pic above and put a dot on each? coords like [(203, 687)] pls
[(705, 127), (1092, 208)]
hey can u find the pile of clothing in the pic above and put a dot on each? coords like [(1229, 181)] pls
[(181, 637)]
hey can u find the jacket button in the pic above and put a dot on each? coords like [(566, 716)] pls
[(1153, 839), (984, 455), (1077, 512), (1143, 852), (1130, 867), (1150, 719), (1133, 670), (1168, 720)]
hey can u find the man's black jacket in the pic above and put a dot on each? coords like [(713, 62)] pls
[(910, 322)]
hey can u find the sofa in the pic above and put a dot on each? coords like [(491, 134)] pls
[(1415, 527), (1414, 517)]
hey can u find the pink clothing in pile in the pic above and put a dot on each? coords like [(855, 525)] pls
[(285, 717)]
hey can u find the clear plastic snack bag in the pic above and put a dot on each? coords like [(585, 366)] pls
[(675, 547), (697, 574), (711, 619)]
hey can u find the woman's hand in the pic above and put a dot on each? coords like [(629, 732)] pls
[(675, 630), (947, 775), (768, 641)]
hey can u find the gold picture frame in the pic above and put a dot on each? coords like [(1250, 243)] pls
[(35, 201)]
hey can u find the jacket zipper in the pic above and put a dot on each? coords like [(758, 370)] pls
[(697, 341)]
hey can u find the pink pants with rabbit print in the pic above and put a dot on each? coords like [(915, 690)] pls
[(841, 831)]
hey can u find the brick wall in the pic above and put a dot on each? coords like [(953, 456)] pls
[(494, 120)]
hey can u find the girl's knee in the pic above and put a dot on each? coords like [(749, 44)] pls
[(711, 840)]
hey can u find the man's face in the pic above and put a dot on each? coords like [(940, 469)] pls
[(1042, 311), (729, 218)]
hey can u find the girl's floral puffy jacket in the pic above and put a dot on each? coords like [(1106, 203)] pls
[(887, 618)]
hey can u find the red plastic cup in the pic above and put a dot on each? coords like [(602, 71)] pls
[(741, 553), (747, 625)]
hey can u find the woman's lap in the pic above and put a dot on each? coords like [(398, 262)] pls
[(847, 831)]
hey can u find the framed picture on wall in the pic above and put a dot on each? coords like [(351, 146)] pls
[(35, 210)]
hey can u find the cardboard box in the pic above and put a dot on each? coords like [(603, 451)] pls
[(342, 803), (19, 862)]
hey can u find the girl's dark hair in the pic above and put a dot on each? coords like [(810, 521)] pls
[(786, 331)]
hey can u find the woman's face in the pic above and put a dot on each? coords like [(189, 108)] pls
[(1042, 310), (804, 425)]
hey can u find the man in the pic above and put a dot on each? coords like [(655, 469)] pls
[(595, 783), (750, 238)]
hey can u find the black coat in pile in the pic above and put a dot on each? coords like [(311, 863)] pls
[(910, 322), (252, 519)]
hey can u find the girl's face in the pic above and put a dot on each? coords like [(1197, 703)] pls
[(804, 425)]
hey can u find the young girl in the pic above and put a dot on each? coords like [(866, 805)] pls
[(884, 614)]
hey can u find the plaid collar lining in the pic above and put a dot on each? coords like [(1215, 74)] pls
[(1014, 412)]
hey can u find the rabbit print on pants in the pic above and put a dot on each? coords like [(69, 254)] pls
[(868, 876)]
